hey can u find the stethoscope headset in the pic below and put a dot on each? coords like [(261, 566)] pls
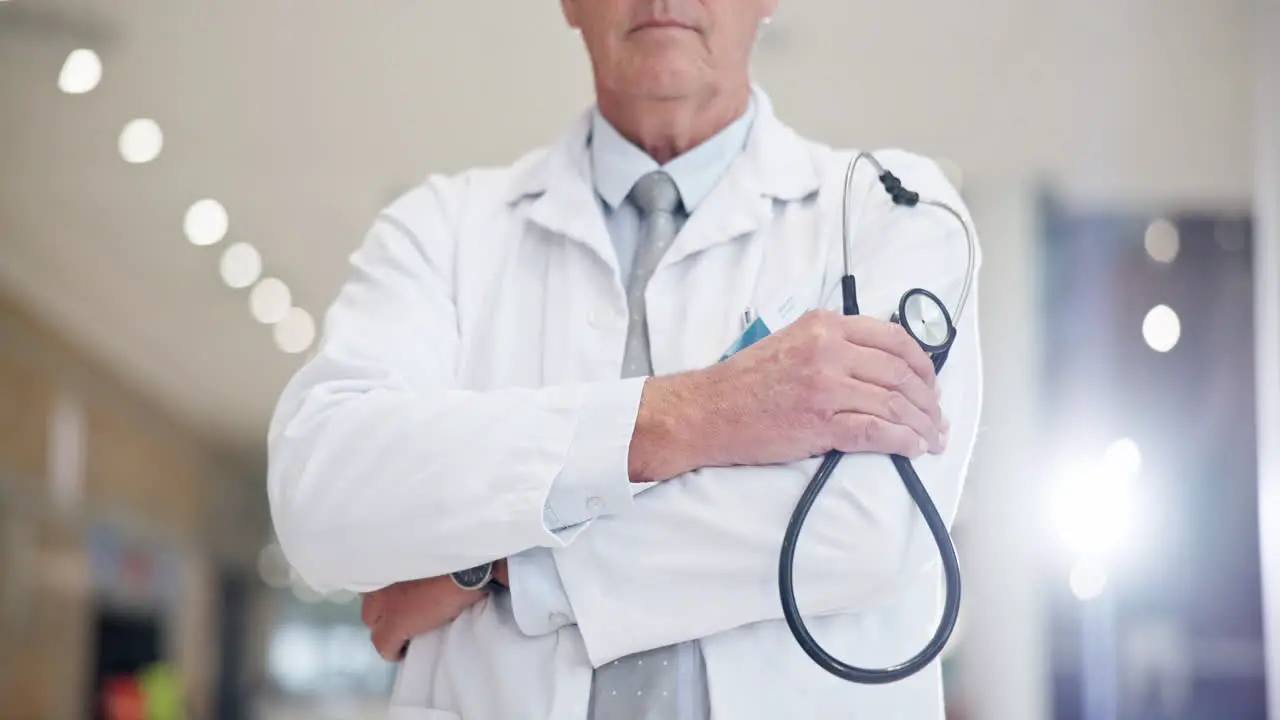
[(927, 321)]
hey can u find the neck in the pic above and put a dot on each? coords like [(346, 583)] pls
[(666, 128)]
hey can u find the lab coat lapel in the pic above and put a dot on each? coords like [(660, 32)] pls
[(566, 203), (736, 207), (775, 165), (563, 204)]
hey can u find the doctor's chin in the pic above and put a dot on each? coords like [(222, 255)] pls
[(638, 360)]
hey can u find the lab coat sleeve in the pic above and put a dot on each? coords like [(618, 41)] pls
[(699, 554), (539, 604), (538, 600), (602, 440), (381, 468)]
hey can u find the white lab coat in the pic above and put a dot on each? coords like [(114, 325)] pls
[(482, 330)]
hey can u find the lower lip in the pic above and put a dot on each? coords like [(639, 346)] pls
[(643, 28)]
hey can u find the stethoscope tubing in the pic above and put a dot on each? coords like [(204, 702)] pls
[(847, 241), (950, 567), (906, 470)]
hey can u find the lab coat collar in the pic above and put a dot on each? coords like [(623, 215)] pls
[(776, 164), (617, 164)]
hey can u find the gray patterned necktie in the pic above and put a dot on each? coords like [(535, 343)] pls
[(657, 684), (657, 198)]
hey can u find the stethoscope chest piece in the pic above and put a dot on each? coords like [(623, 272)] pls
[(927, 321)]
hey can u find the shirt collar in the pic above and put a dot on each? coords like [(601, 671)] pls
[(616, 163), (781, 165)]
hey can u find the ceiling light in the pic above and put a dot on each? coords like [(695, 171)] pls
[(269, 301), (1094, 508), (1162, 241), (1161, 328), (296, 332), (273, 567), (141, 141), (206, 222), (81, 72), (241, 265), (1088, 579), (1123, 458)]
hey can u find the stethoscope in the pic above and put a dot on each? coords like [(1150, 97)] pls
[(927, 321)]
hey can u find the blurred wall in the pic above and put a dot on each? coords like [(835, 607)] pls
[(1002, 656), (1137, 102), (1267, 319), (83, 460)]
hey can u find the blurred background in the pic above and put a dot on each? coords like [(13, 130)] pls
[(181, 184)]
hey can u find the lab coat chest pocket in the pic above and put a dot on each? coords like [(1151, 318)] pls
[(793, 267), (775, 273), (697, 307)]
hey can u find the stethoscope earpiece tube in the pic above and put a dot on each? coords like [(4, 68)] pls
[(939, 349)]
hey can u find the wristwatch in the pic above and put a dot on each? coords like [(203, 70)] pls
[(476, 578)]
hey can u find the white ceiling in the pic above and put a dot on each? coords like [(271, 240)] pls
[(303, 118)]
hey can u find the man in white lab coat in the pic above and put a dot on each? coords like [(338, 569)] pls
[(518, 439)]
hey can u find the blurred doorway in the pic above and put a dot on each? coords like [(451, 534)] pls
[(1149, 365), (125, 643)]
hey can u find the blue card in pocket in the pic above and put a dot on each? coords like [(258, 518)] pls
[(754, 333), (770, 319)]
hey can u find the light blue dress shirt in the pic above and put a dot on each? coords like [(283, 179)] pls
[(616, 165), (538, 599)]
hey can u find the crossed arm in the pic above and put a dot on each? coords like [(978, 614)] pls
[(370, 435), (698, 555)]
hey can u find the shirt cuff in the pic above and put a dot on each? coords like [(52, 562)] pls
[(596, 480), (539, 602)]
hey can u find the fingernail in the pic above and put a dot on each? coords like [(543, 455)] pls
[(937, 391), (922, 447), (942, 441), (945, 425)]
